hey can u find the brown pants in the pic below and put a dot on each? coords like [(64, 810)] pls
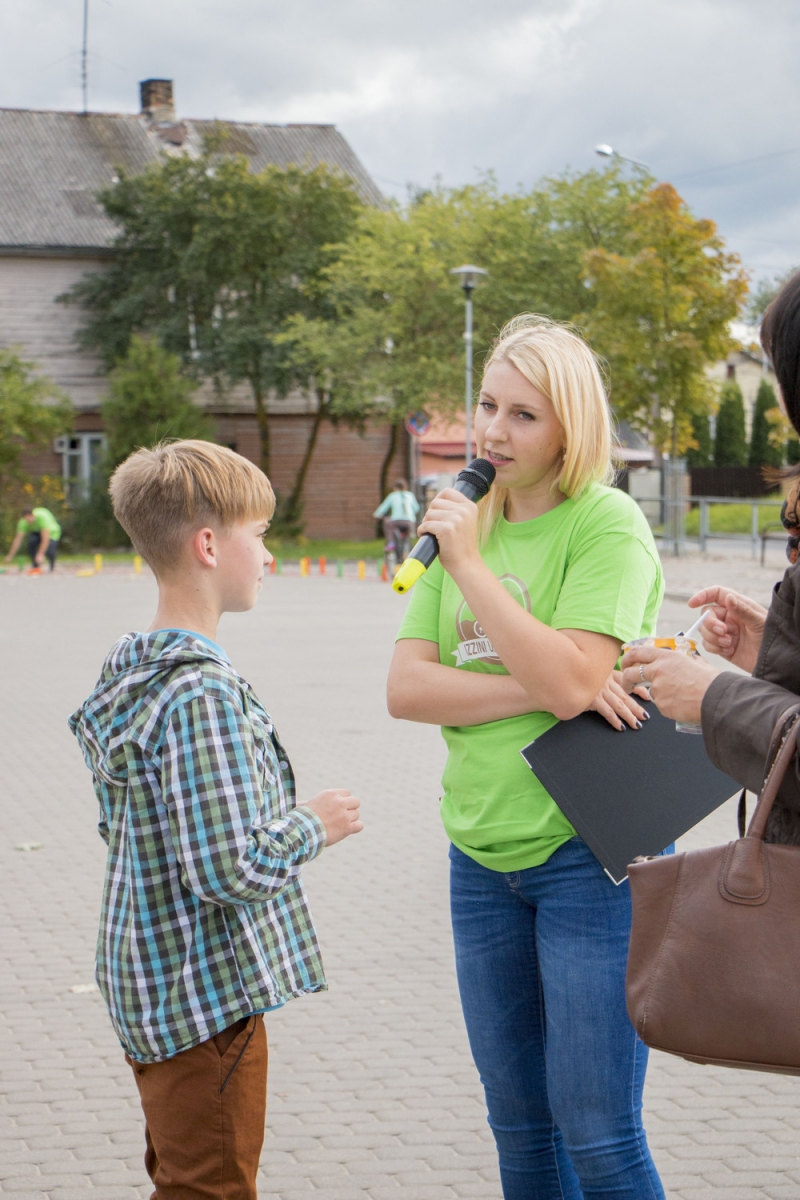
[(205, 1111)]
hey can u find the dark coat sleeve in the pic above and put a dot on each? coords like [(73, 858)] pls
[(740, 711)]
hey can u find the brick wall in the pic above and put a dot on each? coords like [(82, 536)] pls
[(45, 461), (341, 490)]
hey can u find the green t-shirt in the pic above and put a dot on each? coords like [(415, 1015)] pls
[(42, 519), (590, 563)]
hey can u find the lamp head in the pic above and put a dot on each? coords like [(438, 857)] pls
[(468, 276), (604, 151)]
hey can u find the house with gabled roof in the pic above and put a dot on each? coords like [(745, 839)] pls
[(52, 231)]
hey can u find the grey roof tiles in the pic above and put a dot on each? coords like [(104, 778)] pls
[(53, 163)]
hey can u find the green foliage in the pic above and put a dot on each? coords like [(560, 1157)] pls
[(763, 452), (19, 491), (730, 445), (32, 411), (662, 311), (283, 279), (212, 260), (702, 453), (398, 313), (149, 399), (764, 293), (92, 525)]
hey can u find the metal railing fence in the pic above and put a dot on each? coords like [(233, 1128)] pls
[(675, 537)]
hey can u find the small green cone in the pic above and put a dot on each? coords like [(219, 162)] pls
[(279, 566), (339, 569)]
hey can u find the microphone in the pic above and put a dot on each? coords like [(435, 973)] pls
[(473, 482)]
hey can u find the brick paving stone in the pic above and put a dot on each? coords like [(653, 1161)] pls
[(372, 1092), (734, 1192)]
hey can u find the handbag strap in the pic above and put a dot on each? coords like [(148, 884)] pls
[(741, 813), (782, 750)]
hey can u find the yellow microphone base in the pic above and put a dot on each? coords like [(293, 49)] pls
[(408, 574)]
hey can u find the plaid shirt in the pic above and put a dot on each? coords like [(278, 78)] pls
[(204, 918)]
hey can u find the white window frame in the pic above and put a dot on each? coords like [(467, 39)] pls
[(79, 445)]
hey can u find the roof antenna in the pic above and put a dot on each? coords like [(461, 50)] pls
[(84, 63)]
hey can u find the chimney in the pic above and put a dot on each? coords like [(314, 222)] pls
[(157, 103)]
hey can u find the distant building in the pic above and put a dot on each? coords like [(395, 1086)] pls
[(52, 232), (442, 449), (747, 367)]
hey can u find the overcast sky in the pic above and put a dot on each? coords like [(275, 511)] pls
[(698, 89)]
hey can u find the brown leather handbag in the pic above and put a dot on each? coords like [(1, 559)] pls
[(714, 963)]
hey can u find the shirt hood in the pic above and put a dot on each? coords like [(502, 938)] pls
[(141, 676)]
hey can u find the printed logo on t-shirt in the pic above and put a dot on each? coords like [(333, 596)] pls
[(474, 645)]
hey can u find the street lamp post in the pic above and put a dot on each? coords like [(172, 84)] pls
[(609, 152), (468, 275)]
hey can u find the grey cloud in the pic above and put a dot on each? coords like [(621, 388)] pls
[(442, 88)]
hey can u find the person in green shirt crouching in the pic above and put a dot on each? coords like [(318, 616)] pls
[(516, 626), (44, 535)]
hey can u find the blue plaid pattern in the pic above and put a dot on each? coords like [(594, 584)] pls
[(204, 918)]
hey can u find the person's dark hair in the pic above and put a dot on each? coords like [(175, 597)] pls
[(402, 484), (780, 337), (28, 509)]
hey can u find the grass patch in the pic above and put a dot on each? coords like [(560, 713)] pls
[(291, 550), (733, 518), (109, 556)]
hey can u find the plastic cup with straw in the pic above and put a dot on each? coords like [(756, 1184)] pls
[(683, 643)]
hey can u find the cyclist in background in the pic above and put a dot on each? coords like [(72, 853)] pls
[(399, 511)]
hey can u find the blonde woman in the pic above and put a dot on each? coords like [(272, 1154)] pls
[(516, 626)]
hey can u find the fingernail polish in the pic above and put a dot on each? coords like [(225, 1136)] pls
[(638, 724)]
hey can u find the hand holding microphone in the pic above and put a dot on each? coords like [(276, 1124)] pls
[(473, 482)]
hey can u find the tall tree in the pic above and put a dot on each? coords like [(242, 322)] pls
[(395, 340), (661, 314), (149, 398), (213, 259), (763, 452), (730, 444), (764, 293), (701, 454)]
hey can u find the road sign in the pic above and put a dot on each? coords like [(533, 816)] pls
[(417, 424)]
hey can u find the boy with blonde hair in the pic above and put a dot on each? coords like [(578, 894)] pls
[(204, 923)]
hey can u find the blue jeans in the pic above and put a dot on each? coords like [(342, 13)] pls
[(541, 956)]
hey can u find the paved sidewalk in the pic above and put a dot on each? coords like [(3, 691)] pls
[(372, 1091)]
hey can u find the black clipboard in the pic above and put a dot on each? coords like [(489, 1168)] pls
[(627, 793)]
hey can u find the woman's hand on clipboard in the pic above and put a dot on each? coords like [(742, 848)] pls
[(618, 707)]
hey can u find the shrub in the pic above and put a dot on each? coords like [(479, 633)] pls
[(149, 399), (701, 455), (730, 445), (763, 453), (92, 526)]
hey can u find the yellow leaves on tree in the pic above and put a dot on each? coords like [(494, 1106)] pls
[(661, 314)]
